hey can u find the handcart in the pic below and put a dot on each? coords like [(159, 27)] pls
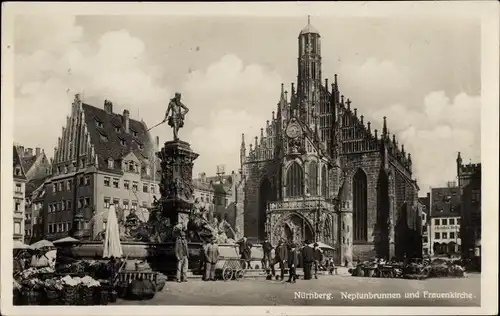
[(230, 269)]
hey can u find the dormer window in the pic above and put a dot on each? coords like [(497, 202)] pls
[(111, 163), (104, 138), (134, 133), (123, 142), (18, 171), (148, 171), (131, 166), (98, 123), (117, 129)]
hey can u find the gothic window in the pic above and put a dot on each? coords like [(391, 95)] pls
[(324, 182), (359, 188), (294, 180), (313, 178)]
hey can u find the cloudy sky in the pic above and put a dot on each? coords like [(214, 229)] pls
[(423, 74)]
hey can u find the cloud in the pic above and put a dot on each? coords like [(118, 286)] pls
[(435, 132), (374, 82), (56, 59), (226, 98), (48, 76)]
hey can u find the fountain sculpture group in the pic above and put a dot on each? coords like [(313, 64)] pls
[(177, 210)]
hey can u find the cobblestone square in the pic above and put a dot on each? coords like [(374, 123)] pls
[(329, 290)]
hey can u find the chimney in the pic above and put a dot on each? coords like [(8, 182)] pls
[(20, 151), (126, 122), (108, 106), (38, 151), (28, 152)]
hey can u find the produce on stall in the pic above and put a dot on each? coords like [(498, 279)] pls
[(416, 269)]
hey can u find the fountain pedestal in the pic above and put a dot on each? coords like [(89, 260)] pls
[(176, 187)]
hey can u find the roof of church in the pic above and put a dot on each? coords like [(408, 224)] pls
[(309, 29), (118, 143)]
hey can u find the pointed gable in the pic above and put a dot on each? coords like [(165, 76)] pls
[(18, 169)]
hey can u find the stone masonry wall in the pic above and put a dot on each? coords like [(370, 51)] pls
[(370, 163), (255, 173)]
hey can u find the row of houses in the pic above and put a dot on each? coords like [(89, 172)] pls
[(101, 158), (451, 215)]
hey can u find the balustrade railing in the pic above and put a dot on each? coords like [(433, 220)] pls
[(307, 203)]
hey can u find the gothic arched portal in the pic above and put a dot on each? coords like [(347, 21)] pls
[(383, 224), (265, 195), (294, 228), (360, 206), (294, 180)]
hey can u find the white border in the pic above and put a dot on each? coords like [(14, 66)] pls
[(487, 11)]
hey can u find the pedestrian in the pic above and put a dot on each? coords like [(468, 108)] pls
[(182, 255), (266, 259), (293, 260), (280, 257), (211, 258), (318, 259), (307, 260), (203, 260), (245, 252)]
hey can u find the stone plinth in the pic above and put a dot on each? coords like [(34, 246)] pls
[(176, 185)]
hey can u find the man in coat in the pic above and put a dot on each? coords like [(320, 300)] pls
[(318, 259), (182, 255), (293, 261), (211, 257), (245, 251), (266, 259), (281, 258), (307, 260)]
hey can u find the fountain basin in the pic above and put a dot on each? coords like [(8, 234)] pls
[(160, 256)]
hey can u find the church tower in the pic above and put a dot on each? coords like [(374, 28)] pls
[(309, 74)]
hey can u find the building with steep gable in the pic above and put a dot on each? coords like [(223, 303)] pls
[(102, 158), (37, 168), (20, 180), (469, 182), (320, 172)]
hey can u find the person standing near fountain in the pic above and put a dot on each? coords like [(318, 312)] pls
[(245, 252), (211, 258), (182, 255)]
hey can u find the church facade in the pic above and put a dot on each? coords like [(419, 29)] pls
[(318, 172)]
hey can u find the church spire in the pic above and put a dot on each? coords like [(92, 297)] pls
[(309, 79)]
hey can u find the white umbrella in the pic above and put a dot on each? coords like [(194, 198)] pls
[(41, 244), (322, 245), (112, 245), (20, 245), (66, 239)]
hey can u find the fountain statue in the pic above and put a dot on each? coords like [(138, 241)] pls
[(176, 210)]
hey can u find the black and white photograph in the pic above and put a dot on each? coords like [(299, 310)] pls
[(287, 157)]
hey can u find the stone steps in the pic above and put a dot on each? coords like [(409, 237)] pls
[(254, 273)]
